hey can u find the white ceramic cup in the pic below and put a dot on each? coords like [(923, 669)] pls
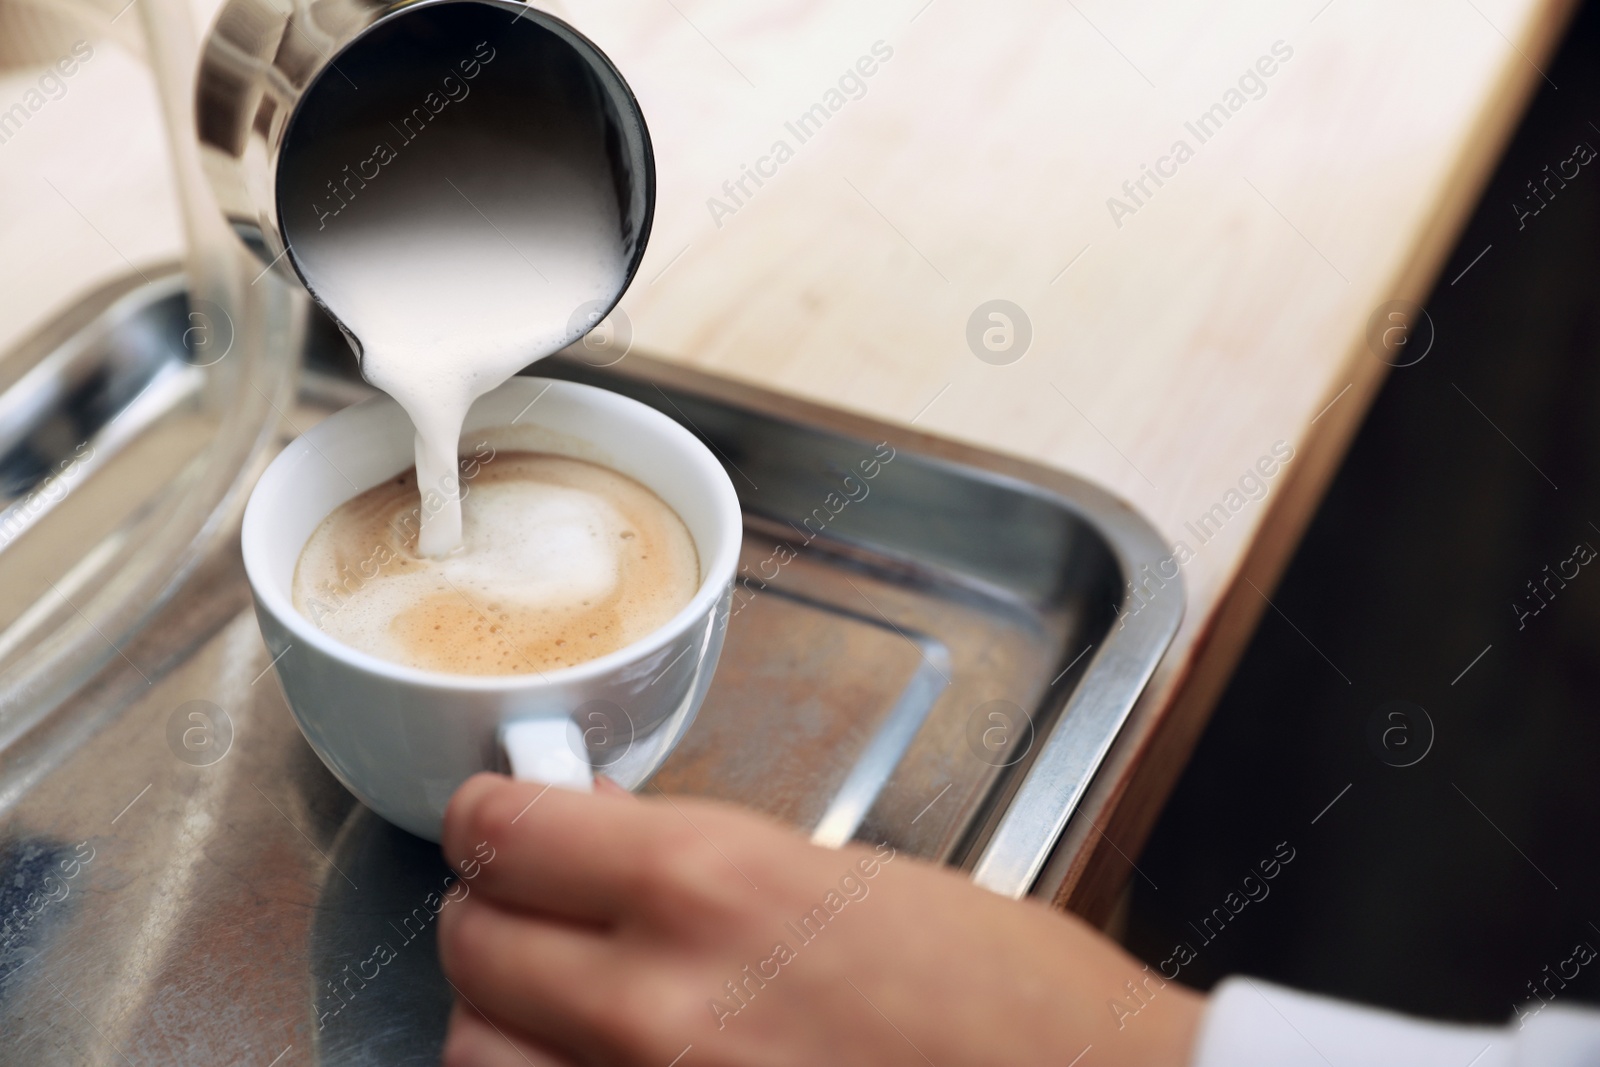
[(402, 739)]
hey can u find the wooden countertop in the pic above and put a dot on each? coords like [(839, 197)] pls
[(1176, 339)]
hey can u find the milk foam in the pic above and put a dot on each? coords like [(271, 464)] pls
[(564, 562)]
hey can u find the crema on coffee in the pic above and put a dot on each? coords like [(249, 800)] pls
[(562, 561)]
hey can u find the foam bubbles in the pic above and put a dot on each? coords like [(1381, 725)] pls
[(562, 561)]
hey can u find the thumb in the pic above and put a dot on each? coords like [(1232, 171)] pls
[(603, 784)]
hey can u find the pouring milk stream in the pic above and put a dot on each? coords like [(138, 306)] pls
[(466, 188), (454, 190), (447, 305)]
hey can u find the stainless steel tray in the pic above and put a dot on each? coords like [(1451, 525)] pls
[(942, 664)]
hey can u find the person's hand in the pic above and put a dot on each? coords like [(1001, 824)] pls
[(602, 929)]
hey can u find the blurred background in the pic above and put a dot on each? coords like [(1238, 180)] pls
[(1445, 860), (1447, 886)]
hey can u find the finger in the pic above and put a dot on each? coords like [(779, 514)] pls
[(474, 1041), (541, 849), (545, 980), (603, 784)]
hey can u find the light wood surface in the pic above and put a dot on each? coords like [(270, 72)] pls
[(1169, 353), (1219, 319)]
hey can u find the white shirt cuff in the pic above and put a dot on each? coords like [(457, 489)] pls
[(1250, 1023)]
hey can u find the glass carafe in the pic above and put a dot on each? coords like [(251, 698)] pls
[(145, 360)]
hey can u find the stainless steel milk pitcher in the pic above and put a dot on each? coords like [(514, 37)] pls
[(270, 70)]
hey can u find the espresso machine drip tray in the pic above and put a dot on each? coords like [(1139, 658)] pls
[(930, 645)]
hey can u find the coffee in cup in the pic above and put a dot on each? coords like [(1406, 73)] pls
[(563, 561), (403, 738)]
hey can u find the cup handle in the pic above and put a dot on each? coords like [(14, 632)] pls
[(547, 750)]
